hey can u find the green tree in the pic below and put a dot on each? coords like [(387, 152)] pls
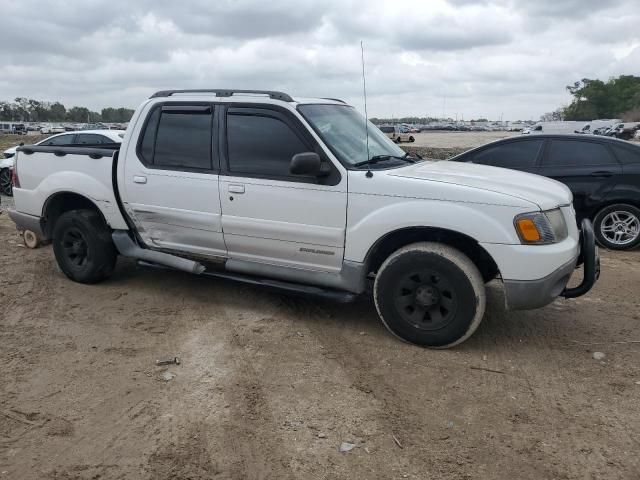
[(78, 114), (597, 99), (57, 112)]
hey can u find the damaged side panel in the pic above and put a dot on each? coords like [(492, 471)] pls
[(176, 229)]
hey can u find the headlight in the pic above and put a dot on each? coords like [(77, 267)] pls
[(541, 228)]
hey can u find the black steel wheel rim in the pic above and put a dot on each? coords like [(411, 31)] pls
[(75, 247), (426, 299)]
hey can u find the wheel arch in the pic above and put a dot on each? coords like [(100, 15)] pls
[(634, 202), (392, 241), (61, 202)]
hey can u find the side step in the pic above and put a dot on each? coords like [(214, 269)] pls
[(128, 248), (295, 288)]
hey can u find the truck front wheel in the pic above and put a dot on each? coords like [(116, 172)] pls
[(83, 247), (430, 294)]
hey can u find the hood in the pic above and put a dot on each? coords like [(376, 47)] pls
[(542, 191)]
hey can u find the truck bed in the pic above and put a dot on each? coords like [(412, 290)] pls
[(86, 170)]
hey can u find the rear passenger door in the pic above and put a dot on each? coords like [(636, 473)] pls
[(588, 168), (171, 179), (520, 155)]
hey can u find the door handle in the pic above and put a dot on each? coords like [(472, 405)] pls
[(139, 179), (236, 188), (602, 174)]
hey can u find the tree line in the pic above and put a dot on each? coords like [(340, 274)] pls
[(592, 99), (24, 109)]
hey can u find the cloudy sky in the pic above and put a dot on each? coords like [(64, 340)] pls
[(466, 57)]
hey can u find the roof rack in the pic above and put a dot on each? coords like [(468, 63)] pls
[(227, 93), (334, 100)]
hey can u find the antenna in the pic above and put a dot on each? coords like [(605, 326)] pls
[(366, 116)]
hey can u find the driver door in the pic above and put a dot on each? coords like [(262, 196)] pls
[(269, 215)]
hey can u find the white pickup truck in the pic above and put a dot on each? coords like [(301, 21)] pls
[(296, 194)]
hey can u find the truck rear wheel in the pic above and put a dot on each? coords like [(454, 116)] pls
[(430, 294), (83, 247)]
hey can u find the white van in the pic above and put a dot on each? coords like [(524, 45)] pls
[(17, 128), (554, 127)]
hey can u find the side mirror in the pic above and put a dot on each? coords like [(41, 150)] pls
[(307, 163), (21, 144)]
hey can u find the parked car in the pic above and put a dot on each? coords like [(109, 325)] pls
[(259, 187), (6, 170), (49, 129), (603, 175), (624, 131), (86, 137), (397, 134)]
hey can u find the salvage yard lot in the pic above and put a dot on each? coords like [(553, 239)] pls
[(270, 385)]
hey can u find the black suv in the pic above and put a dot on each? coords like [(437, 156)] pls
[(603, 174)]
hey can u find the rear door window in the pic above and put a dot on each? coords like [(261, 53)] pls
[(92, 139), (627, 155), (576, 153), (178, 137), (521, 154)]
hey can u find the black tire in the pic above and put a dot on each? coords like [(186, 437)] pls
[(83, 246), (397, 140), (6, 182), (411, 139), (430, 294), (617, 227)]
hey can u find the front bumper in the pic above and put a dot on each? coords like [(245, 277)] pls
[(530, 294), (24, 221)]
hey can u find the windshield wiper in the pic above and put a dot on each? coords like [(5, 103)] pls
[(380, 158)]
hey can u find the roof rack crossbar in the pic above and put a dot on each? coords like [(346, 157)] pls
[(227, 93)]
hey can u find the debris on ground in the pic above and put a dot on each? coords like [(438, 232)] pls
[(346, 447), (167, 376), (395, 439), (598, 356), (168, 361)]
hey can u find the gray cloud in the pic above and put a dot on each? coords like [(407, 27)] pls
[(477, 57)]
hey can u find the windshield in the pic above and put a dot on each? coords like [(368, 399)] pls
[(342, 129)]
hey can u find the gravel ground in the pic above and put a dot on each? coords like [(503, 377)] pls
[(269, 386)]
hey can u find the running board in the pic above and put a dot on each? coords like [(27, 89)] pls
[(295, 288), (128, 248)]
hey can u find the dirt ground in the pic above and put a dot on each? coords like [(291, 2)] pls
[(269, 386), (8, 141), (466, 140)]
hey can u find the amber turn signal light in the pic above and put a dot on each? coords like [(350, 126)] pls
[(528, 230)]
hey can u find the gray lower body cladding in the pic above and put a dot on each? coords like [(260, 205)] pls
[(530, 294), (352, 277), (24, 221)]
